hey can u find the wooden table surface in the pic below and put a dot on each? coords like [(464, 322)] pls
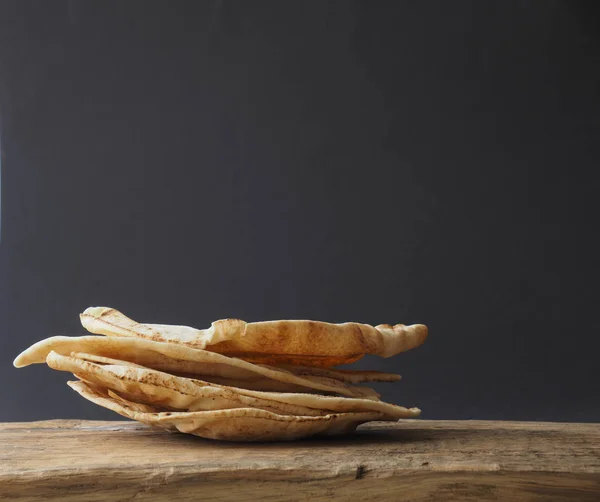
[(415, 460)]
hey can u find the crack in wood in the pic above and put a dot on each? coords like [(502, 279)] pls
[(361, 470)]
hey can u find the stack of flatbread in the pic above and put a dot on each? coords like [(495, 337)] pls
[(234, 381)]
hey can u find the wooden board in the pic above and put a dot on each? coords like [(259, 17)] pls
[(413, 460)]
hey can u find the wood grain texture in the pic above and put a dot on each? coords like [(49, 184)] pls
[(413, 460)]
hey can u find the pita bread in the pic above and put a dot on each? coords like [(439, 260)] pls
[(296, 342), (168, 392), (170, 357), (241, 424), (147, 386)]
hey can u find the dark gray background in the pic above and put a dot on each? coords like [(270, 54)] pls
[(422, 161)]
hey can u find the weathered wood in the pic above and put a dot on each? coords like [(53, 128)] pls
[(413, 460)]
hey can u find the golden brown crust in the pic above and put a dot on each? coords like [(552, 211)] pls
[(296, 342)]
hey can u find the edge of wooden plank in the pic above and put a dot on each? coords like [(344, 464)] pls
[(428, 424)]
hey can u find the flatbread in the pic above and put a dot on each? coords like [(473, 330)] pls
[(170, 357), (241, 424), (147, 386), (296, 342), (168, 392)]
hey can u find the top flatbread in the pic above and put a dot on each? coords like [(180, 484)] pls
[(296, 342)]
